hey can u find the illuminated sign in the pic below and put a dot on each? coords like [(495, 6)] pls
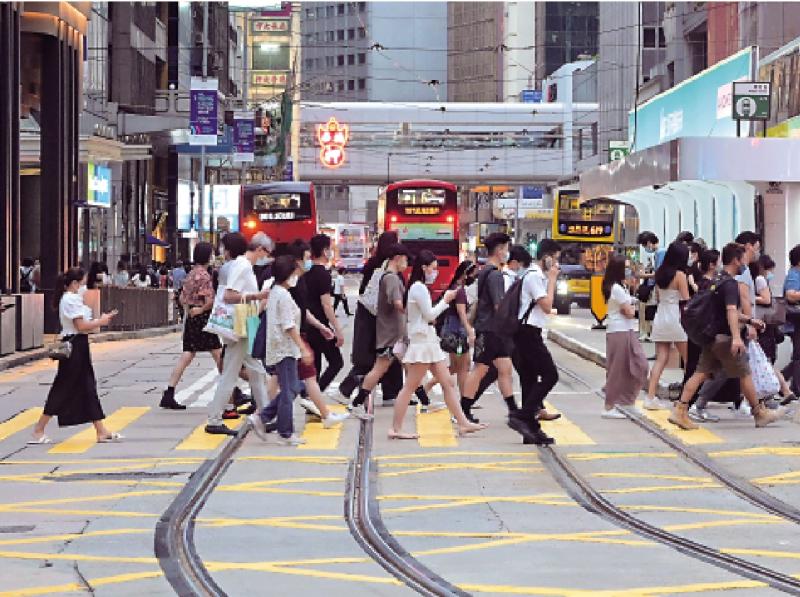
[(269, 78), (422, 211), (332, 138), (270, 26), (98, 186), (582, 229), (276, 215)]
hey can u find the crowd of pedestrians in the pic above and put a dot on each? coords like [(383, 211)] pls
[(267, 316)]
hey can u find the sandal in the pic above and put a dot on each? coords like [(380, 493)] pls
[(39, 441), (401, 435), (110, 439)]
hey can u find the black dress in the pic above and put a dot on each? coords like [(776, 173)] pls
[(195, 339), (73, 396)]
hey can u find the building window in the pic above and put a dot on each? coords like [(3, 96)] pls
[(329, 61), (351, 34), (340, 60), (340, 9), (340, 35), (330, 35), (351, 59), (329, 11), (362, 33), (309, 62), (362, 6), (362, 84), (309, 13), (340, 86), (351, 8), (351, 85), (362, 58), (320, 12)]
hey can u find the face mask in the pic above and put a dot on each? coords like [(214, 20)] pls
[(307, 264), (770, 276), (293, 281), (262, 261), (742, 269), (430, 277), (690, 263)]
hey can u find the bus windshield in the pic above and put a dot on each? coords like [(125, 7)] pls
[(279, 205), (421, 197)]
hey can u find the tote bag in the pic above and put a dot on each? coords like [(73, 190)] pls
[(764, 378), (370, 296), (220, 322)]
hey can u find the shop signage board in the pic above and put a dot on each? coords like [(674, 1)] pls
[(98, 186), (244, 136), (203, 112), (530, 96), (691, 107), (271, 26), (751, 100), (617, 150)]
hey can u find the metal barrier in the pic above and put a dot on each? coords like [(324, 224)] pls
[(30, 320), (138, 308), (8, 324)]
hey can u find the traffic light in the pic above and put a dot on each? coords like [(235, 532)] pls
[(532, 242)]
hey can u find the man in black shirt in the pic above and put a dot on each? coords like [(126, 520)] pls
[(320, 304), (727, 354)]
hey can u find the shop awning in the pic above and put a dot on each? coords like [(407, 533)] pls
[(152, 240)]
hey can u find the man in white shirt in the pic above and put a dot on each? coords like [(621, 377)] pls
[(532, 360)]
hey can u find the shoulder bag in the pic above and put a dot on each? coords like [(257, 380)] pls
[(60, 349)]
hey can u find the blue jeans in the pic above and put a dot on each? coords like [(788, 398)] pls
[(286, 370)]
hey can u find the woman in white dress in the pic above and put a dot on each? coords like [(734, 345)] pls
[(424, 352), (672, 287)]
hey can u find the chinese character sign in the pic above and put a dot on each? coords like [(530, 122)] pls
[(244, 136), (270, 26), (203, 112), (332, 138), (269, 78)]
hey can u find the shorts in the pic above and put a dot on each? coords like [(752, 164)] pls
[(490, 346), (387, 352), (716, 357)]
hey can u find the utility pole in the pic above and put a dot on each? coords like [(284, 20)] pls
[(202, 191), (245, 84)]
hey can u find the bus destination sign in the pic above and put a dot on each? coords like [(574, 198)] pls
[(417, 210), (276, 215), (584, 228)]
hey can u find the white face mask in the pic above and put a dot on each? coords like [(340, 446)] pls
[(430, 276), (293, 281), (261, 261)]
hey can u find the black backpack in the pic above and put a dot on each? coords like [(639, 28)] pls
[(506, 320), (25, 281), (701, 317)]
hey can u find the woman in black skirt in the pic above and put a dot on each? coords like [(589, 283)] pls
[(197, 296), (73, 395)]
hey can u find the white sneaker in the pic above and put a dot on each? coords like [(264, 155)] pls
[(334, 419), (432, 407), (743, 412), (613, 413), (653, 404), (359, 412), (292, 440), (309, 406), (258, 427)]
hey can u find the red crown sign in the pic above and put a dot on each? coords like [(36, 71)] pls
[(332, 138)]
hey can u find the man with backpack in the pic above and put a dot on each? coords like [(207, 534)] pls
[(532, 360), (714, 320), (491, 348)]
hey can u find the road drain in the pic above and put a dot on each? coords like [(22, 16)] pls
[(124, 476)]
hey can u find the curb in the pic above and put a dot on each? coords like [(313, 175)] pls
[(594, 355), (23, 358)]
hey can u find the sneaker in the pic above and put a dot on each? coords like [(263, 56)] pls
[(220, 430), (701, 415), (334, 419), (240, 398), (359, 412), (230, 414), (432, 407), (613, 413), (743, 412), (258, 427), (271, 427), (292, 440), (309, 407), (248, 410), (654, 404)]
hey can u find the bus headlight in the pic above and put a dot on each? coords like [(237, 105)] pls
[(562, 287)]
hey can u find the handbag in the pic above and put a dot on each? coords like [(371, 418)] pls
[(241, 313), (454, 338), (775, 314), (644, 291), (369, 298), (220, 322), (764, 378), (60, 349), (258, 347), (253, 322)]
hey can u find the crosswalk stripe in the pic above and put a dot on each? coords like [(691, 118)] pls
[(19, 422), (564, 431), (205, 398), (183, 395), (695, 436), (201, 441), (435, 430), (319, 438), (83, 440)]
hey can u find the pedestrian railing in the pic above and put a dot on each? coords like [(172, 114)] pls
[(138, 308)]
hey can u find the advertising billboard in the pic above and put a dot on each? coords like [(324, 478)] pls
[(98, 186)]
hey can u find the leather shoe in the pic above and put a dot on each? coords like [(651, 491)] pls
[(220, 430), (543, 415), (540, 439)]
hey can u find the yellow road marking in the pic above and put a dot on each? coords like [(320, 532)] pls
[(75, 587), (780, 479), (200, 440), (10, 507), (19, 372), (564, 431), (589, 456), (19, 422), (657, 488), (77, 557), (694, 437), (319, 438), (83, 440), (426, 455), (435, 430), (652, 476), (759, 451), (74, 536)]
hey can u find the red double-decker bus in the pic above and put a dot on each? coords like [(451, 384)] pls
[(284, 210), (425, 215)]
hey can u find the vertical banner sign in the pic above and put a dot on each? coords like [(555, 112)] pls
[(244, 136), (203, 112)]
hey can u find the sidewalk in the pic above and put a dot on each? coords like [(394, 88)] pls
[(575, 333), (23, 357)]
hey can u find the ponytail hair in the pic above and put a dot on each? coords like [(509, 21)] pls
[(424, 257), (73, 274)]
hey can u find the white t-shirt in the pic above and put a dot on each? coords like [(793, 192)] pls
[(70, 308), (534, 287), (241, 277), (509, 277), (472, 293), (338, 279), (140, 282), (616, 321), (283, 314)]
